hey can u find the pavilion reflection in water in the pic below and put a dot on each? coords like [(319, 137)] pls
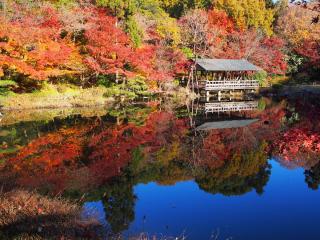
[(224, 114), (218, 107)]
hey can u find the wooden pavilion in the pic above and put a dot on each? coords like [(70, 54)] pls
[(225, 75)]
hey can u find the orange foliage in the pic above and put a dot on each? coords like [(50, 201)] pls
[(34, 48), (112, 148), (89, 154), (49, 157), (51, 150), (218, 21), (219, 146), (159, 63)]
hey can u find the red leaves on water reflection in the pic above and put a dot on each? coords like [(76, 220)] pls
[(88, 155), (49, 157), (76, 156), (220, 145), (51, 150), (296, 141), (112, 148), (299, 143)]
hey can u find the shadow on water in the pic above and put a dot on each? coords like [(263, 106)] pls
[(105, 155)]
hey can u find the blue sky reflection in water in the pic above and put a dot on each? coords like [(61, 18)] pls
[(287, 209)]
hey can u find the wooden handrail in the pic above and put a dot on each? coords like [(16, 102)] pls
[(231, 106), (232, 84)]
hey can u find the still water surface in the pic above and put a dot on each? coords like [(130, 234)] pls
[(148, 168)]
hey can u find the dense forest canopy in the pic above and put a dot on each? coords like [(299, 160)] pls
[(87, 42)]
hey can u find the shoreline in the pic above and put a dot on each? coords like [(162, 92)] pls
[(10, 117), (55, 96), (57, 107), (94, 98), (64, 96)]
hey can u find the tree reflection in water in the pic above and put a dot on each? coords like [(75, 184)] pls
[(119, 202), (105, 157), (241, 174), (312, 176)]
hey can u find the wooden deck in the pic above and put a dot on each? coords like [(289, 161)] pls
[(230, 106), (232, 85)]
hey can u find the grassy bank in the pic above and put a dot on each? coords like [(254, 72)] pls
[(26, 115), (64, 96), (25, 215), (30, 216), (55, 96)]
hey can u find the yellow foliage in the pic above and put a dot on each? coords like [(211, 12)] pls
[(248, 13), (295, 25), (244, 164), (168, 29), (166, 155), (169, 3)]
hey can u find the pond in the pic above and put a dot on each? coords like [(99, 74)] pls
[(234, 169)]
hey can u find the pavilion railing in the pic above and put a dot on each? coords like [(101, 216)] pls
[(231, 85), (230, 106)]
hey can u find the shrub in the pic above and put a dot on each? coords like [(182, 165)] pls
[(133, 88), (261, 76)]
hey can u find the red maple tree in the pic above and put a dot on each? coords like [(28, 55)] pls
[(108, 46)]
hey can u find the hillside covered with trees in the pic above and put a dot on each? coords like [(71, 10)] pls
[(137, 47)]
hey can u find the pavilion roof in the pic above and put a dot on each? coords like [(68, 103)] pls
[(226, 65), (226, 124)]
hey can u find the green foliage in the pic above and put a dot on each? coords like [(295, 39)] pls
[(262, 104), (138, 86), (176, 82), (187, 52), (104, 80), (4, 92), (117, 91), (119, 200), (294, 118), (177, 8), (294, 62), (134, 31), (261, 76), (132, 89), (137, 157), (149, 7), (119, 8), (8, 150), (136, 114), (7, 83), (6, 87)]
